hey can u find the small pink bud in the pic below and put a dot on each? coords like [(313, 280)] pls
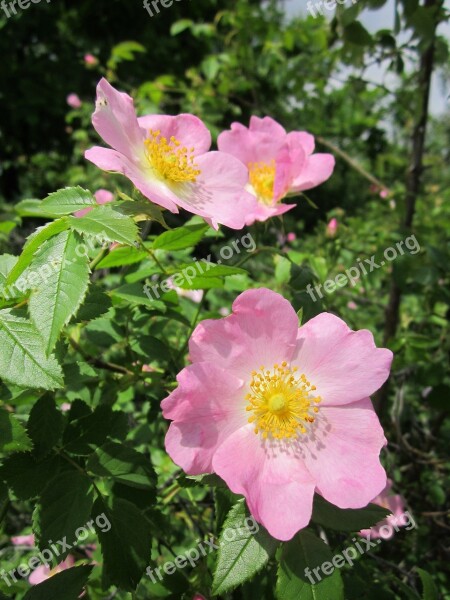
[(73, 101), (332, 227), (90, 59), (384, 194), (352, 305), (291, 237)]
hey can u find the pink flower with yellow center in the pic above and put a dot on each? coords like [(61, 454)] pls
[(167, 158), (396, 504), (280, 164), (280, 412)]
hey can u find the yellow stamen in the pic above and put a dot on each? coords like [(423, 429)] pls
[(262, 179), (170, 159), (281, 403)]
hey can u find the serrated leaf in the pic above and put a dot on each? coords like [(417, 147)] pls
[(7, 262), (95, 304), (119, 257), (64, 506), (67, 584), (45, 425), (57, 298), (180, 238), (246, 554), (13, 437), (143, 210), (23, 361), (429, 587), (123, 464), (180, 26), (67, 201), (27, 476), (296, 580), (84, 434), (107, 222), (32, 245), (347, 519), (126, 547)]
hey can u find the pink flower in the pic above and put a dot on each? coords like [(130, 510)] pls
[(279, 411), (90, 59), (73, 101), (395, 504), (352, 305), (45, 572), (291, 237), (279, 163), (102, 197), (332, 228), (168, 160), (384, 194), (23, 540)]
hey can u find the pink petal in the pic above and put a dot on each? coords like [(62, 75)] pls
[(269, 127), (261, 331), (115, 120), (218, 193), (103, 196), (278, 489), (39, 575), (262, 212), (344, 365), (303, 139), (342, 454), (187, 129), (110, 160), (289, 163), (318, 168), (249, 146), (208, 406)]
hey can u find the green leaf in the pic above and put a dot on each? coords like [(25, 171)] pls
[(296, 580), (13, 437), (347, 519), (67, 201), (64, 506), (84, 434), (123, 464), (119, 257), (45, 425), (95, 304), (31, 207), (26, 476), (355, 33), (180, 26), (23, 360), (246, 554), (109, 223), (180, 238), (430, 591), (32, 245), (7, 262), (126, 547), (134, 292), (67, 584), (142, 210), (58, 296)]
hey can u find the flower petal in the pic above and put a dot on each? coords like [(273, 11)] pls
[(269, 127), (344, 365), (278, 488), (115, 120), (342, 454), (187, 129), (317, 169), (207, 406), (219, 193), (261, 331)]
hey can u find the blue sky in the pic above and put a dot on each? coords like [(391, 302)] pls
[(384, 18)]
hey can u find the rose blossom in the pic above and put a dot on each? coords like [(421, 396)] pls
[(279, 163), (168, 160), (280, 412)]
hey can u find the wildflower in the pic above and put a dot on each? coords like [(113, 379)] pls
[(279, 163), (394, 503), (332, 228), (73, 101), (279, 411), (167, 158)]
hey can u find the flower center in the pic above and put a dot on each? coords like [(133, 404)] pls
[(262, 179), (281, 402), (172, 160)]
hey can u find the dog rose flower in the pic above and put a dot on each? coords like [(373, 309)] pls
[(280, 412), (167, 158), (279, 163)]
